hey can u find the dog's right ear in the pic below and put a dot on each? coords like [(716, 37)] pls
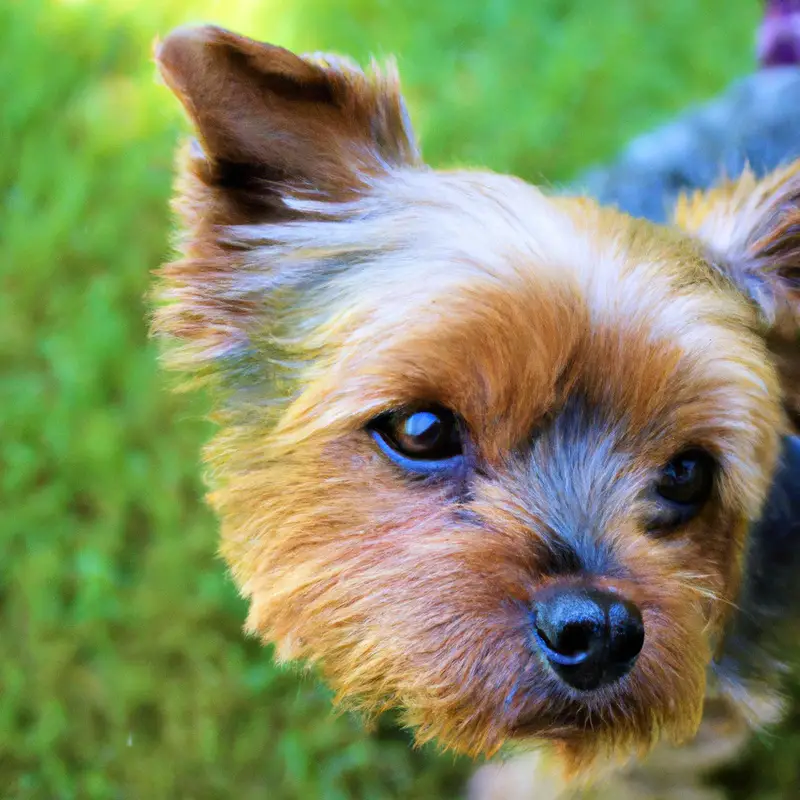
[(266, 117), (280, 139), (751, 230)]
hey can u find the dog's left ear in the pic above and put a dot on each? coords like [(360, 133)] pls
[(751, 228)]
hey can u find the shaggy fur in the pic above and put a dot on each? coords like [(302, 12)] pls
[(326, 275)]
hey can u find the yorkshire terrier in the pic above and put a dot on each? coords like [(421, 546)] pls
[(496, 458)]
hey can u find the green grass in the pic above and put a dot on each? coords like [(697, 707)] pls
[(123, 672)]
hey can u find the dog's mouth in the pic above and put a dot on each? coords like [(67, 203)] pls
[(598, 717), (558, 725)]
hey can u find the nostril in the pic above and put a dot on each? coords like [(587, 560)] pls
[(626, 632), (570, 626), (573, 641)]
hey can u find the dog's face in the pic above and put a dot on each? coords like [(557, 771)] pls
[(486, 455)]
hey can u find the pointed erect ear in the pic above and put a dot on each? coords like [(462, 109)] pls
[(264, 113), (280, 138), (752, 230)]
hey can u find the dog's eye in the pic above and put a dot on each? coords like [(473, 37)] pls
[(687, 479), (421, 439), (685, 483)]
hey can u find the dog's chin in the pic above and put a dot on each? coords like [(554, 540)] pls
[(583, 743), (611, 724), (564, 725)]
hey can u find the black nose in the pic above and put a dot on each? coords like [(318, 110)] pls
[(590, 638)]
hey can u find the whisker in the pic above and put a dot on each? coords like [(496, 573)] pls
[(709, 594)]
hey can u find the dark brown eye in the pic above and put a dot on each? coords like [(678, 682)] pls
[(421, 439), (687, 480)]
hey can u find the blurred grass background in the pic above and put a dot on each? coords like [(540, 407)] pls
[(123, 672)]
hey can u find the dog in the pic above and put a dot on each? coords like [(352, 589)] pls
[(517, 464)]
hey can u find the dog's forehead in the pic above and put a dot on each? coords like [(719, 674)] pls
[(432, 245), (491, 297)]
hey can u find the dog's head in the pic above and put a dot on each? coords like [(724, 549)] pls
[(486, 455)]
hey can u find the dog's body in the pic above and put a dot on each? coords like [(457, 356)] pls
[(497, 458)]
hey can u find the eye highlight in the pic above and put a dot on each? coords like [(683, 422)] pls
[(423, 439), (684, 486)]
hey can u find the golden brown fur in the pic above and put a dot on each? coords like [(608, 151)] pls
[(326, 276)]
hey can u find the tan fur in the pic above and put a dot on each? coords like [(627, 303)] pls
[(326, 275), (753, 228)]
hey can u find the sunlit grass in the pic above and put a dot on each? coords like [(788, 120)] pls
[(258, 17), (123, 670)]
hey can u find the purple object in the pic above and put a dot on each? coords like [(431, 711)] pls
[(779, 35)]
